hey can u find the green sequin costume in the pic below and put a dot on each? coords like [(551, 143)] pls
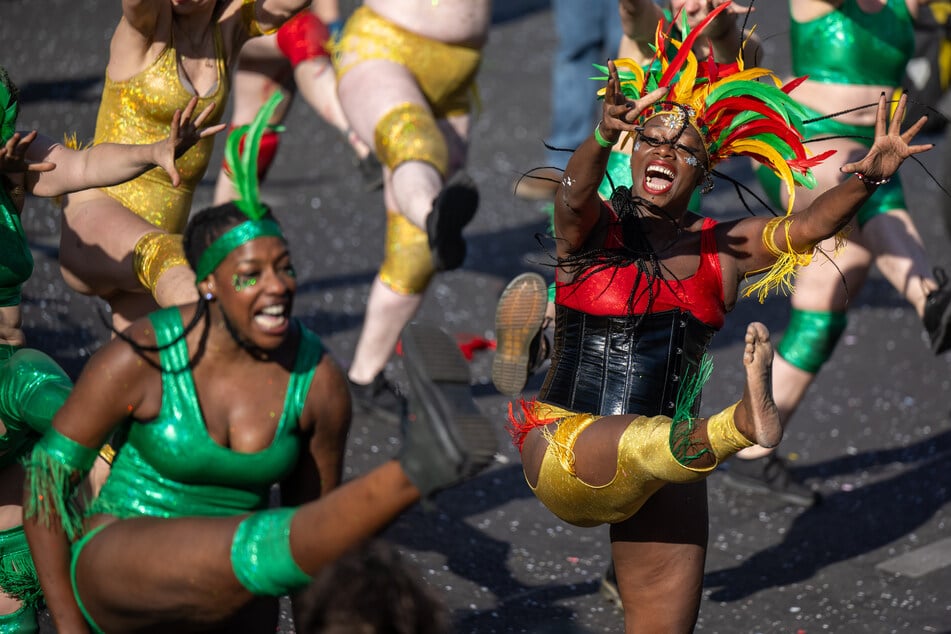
[(170, 467)]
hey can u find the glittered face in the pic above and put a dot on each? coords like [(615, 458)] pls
[(260, 293), (672, 129), (667, 161)]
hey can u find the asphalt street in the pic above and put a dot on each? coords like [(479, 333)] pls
[(873, 434)]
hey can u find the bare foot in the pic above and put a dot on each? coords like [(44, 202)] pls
[(758, 417)]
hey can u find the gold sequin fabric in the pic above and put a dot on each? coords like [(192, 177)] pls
[(645, 464), (408, 132), (408, 262), (139, 110), (445, 72), (154, 254)]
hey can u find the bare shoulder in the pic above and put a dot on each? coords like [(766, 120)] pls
[(328, 400)]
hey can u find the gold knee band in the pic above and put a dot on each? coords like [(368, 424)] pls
[(154, 254), (725, 439), (408, 262), (409, 132)]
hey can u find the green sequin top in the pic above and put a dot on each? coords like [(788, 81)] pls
[(171, 467)]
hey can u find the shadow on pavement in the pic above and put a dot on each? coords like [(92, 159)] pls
[(848, 524)]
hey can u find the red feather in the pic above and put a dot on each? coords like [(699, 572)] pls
[(688, 43)]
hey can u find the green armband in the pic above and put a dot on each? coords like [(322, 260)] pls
[(54, 468)]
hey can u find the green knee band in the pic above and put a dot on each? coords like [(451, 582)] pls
[(261, 554), (409, 132), (811, 337), (55, 467), (17, 573), (23, 621)]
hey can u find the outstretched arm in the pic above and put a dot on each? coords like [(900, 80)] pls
[(832, 210), (577, 204), (111, 387), (111, 163)]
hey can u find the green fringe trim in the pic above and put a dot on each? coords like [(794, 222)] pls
[(683, 425), (18, 578), (51, 485)]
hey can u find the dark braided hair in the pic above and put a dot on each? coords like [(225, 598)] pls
[(202, 230), (635, 249)]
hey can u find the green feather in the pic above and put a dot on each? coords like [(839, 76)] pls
[(243, 164)]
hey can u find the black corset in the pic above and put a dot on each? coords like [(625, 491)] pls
[(603, 365)]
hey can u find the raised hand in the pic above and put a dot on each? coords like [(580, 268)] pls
[(183, 134), (618, 113), (13, 155), (890, 148)]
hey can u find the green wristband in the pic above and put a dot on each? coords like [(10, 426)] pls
[(600, 139)]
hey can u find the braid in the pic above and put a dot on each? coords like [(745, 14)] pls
[(636, 249)]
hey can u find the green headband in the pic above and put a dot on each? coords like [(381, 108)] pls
[(11, 108), (230, 240), (242, 162)]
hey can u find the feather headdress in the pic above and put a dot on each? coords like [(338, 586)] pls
[(734, 111)]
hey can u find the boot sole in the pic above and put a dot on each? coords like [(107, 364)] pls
[(440, 388), (518, 318), (454, 208)]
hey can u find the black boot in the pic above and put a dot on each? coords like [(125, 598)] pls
[(379, 399), (521, 347), (453, 209), (446, 439), (937, 315)]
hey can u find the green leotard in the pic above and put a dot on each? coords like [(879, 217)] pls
[(16, 263), (170, 467), (835, 48)]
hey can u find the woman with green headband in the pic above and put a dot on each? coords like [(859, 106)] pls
[(220, 400), (32, 385)]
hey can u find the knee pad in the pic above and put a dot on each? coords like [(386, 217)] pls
[(409, 132), (261, 554), (154, 254), (811, 337), (303, 37), (267, 150), (408, 262), (18, 577)]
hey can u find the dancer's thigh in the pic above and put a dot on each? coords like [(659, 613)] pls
[(97, 240), (371, 89), (150, 573)]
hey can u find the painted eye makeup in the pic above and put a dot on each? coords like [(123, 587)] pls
[(243, 281)]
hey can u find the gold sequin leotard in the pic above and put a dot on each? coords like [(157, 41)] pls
[(139, 110)]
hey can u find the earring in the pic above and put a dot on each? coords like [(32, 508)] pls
[(707, 185), (209, 297)]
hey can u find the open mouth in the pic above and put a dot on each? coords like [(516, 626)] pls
[(658, 179), (272, 318)]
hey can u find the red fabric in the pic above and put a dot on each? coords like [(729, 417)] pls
[(303, 37), (608, 292), (519, 426), (266, 152)]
